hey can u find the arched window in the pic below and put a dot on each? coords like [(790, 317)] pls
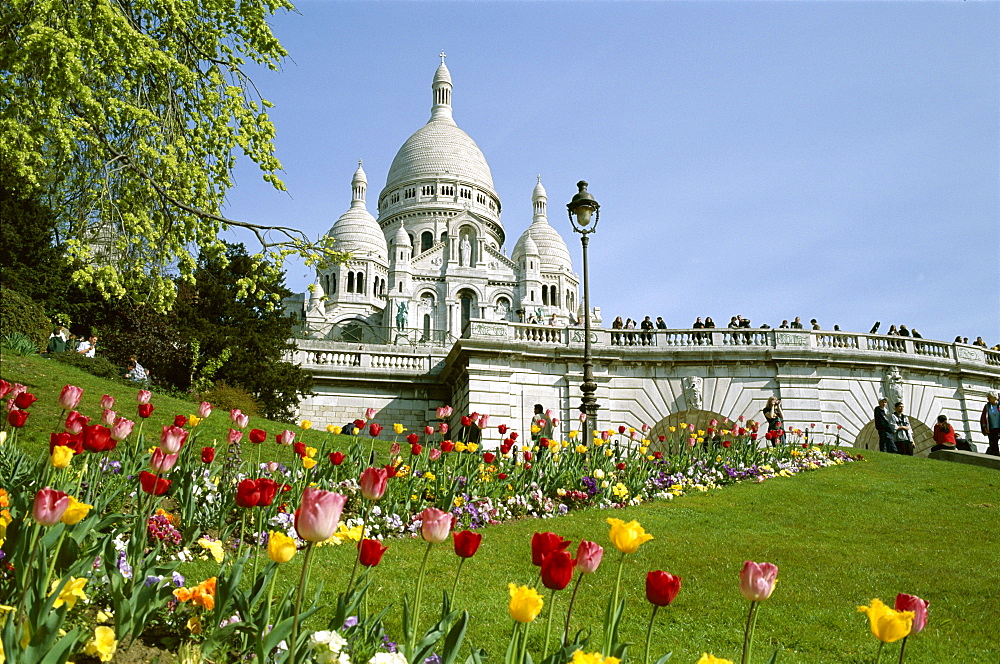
[(554, 296), (426, 241), (350, 282), (545, 294), (361, 282)]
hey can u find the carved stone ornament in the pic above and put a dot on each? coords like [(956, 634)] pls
[(692, 392), (893, 385)]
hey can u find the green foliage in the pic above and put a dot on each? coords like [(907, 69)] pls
[(99, 366), (18, 344), (226, 397), (204, 370), (126, 118), (19, 314)]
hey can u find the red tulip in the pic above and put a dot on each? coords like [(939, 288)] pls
[(97, 438), (4, 388), (919, 607), (413, 439), (257, 436), (542, 544), (299, 448), (371, 552), (374, 429), (373, 483), (757, 580), (727, 443), (447, 446), (74, 442), (466, 543), (394, 449), (513, 435), (662, 588), (317, 518), (390, 470), (49, 506), (253, 493), (588, 556), (527, 466), (153, 484), (657, 455), (16, 418), (662, 438), (416, 449), (143, 397), (501, 476), (502, 429), (25, 399), (172, 439), (528, 456), (75, 422), (466, 420), (434, 525), (70, 397), (180, 420), (207, 454), (489, 457), (621, 429), (620, 466), (557, 570), (145, 410), (336, 458)]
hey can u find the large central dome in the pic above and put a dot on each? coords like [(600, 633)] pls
[(440, 149)]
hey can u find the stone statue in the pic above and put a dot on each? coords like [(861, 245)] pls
[(893, 386), (540, 314), (502, 310), (465, 252), (692, 392), (401, 311)]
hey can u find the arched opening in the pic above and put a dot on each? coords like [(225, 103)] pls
[(426, 241), (426, 328), (467, 246), (353, 333), (360, 283), (470, 307), (350, 282), (545, 294), (923, 437), (503, 309)]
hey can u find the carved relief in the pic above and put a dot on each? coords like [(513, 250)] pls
[(792, 338), (693, 392)]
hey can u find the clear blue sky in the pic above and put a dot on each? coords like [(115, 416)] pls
[(831, 160)]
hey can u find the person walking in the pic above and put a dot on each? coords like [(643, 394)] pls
[(885, 427), (989, 422), (904, 433)]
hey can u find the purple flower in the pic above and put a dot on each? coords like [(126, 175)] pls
[(178, 579), (351, 621)]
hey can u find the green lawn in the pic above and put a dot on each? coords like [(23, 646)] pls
[(841, 536)]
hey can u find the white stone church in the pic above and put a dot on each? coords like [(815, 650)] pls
[(435, 259)]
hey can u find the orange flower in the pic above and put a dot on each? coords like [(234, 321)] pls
[(203, 594)]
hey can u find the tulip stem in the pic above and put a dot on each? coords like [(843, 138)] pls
[(748, 634), (878, 655), (418, 597), (572, 599), (298, 605), (364, 525), (649, 632), (902, 649), (548, 625), (454, 588), (55, 556)]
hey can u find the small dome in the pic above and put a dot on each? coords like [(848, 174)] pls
[(356, 230), (542, 239), (402, 238)]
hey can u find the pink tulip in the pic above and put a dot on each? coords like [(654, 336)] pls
[(645, 428), (374, 482), (49, 506), (633, 435), (588, 556), (108, 417), (691, 427), (286, 437), (440, 413), (757, 580), (605, 435), (75, 422), (741, 418), (919, 607), (234, 414), (70, 397), (583, 418), (443, 428), (4, 388), (234, 436), (273, 466), (317, 518), (121, 429), (692, 442), (555, 421), (204, 409), (548, 413), (16, 390), (162, 463), (434, 454), (484, 421), (428, 430), (394, 448), (713, 423), (242, 421), (435, 525), (143, 396), (107, 402), (172, 439), (370, 413)]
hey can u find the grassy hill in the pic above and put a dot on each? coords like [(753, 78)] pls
[(841, 536)]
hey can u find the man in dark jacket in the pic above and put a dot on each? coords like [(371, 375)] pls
[(886, 429)]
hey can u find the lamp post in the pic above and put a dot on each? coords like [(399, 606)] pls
[(584, 213)]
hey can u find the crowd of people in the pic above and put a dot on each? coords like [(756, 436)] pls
[(895, 433), (63, 341)]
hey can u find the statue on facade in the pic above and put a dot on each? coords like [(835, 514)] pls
[(692, 392), (893, 385), (465, 252), (502, 310), (401, 311)]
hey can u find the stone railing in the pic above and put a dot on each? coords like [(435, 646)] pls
[(326, 356), (730, 339)]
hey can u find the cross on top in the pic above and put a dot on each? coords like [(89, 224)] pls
[(443, 56)]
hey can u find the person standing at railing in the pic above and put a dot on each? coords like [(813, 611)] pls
[(797, 323), (630, 336), (616, 337), (646, 336), (660, 323), (989, 422), (885, 427)]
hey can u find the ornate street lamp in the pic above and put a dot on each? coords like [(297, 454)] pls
[(584, 213)]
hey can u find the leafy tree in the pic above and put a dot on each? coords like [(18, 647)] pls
[(125, 117), (221, 317)]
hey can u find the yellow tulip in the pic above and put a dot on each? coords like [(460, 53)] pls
[(194, 420), (103, 644), (580, 657), (3, 437), (61, 456), (308, 462), (472, 447), (535, 428), (707, 658), (311, 451), (76, 512), (627, 537), (306, 424), (582, 449), (332, 429), (888, 625), (525, 603), (72, 591), (608, 452), (398, 428), (673, 429), (194, 624), (573, 434), (280, 547)]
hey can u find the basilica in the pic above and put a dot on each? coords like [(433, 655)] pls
[(435, 256)]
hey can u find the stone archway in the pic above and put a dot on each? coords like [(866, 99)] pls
[(923, 437), (699, 418)]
